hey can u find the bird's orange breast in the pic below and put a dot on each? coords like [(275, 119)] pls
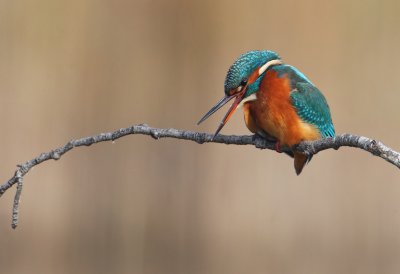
[(273, 112)]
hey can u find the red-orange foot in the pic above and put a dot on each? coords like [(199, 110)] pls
[(278, 147)]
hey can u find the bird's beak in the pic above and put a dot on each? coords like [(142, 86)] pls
[(238, 98)]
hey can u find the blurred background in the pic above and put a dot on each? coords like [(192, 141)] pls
[(70, 69)]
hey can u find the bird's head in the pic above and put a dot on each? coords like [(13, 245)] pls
[(243, 79)]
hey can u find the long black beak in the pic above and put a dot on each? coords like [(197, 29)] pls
[(221, 103), (217, 106)]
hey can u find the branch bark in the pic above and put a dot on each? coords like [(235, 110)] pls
[(310, 148)]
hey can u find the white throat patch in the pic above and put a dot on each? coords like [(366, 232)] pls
[(268, 64), (252, 97)]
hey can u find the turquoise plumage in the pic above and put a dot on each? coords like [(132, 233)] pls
[(312, 107), (310, 104)]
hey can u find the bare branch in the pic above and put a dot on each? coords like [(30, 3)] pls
[(310, 148), (15, 215)]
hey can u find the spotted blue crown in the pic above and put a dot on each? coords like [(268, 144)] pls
[(244, 66)]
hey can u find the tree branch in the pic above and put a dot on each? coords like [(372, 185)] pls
[(309, 148)]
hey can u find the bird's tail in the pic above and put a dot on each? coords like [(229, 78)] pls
[(300, 160)]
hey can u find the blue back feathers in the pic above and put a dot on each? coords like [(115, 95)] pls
[(309, 102)]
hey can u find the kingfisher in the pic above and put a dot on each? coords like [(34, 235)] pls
[(279, 102)]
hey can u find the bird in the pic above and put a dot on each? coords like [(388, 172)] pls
[(279, 103)]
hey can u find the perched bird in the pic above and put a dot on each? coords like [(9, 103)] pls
[(279, 102)]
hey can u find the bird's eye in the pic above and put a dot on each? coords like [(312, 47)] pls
[(243, 83)]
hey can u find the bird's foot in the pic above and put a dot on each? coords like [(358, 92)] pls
[(278, 147)]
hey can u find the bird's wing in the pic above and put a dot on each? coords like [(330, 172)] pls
[(312, 107)]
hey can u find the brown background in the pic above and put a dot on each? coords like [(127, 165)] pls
[(70, 69)]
